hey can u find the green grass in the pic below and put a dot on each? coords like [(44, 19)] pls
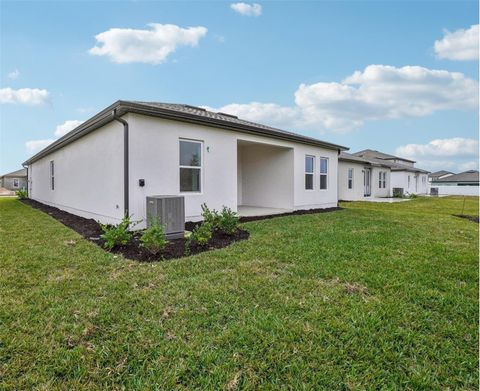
[(376, 296)]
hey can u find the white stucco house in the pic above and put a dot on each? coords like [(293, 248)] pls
[(361, 179), (107, 166), (404, 175)]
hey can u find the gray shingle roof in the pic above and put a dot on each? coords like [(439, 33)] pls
[(179, 112), (380, 155), (361, 160), (18, 174), (440, 173), (467, 176)]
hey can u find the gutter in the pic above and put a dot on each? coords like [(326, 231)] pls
[(125, 161)]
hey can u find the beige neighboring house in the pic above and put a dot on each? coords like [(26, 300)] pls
[(15, 180)]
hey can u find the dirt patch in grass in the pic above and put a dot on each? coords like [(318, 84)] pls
[(475, 219), (91, 230), (294, 213)]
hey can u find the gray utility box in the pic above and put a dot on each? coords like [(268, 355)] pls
[(168, 211), (398, 191)]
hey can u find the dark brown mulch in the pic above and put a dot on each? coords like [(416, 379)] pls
[(91, 230), (475, 219), (294, 213)]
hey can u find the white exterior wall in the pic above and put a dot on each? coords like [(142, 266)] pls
[(357, 192), (381, 191), (457, 190), (154, 156), (89, 171), (400, 179), (88, 176)]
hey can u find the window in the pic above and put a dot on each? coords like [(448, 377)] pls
[(323, 173), (309, 172), (52, 174), (384, 179), (424, 180), (380, 180), (190, 166), (409, 181), (16, 182), (350, 178)]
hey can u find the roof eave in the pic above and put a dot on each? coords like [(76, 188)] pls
[(123, 107)]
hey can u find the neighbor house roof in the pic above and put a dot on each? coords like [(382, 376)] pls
[(440, 173), (179, 112), (348, 157), (467, 176), (17, 174), (380, 155)]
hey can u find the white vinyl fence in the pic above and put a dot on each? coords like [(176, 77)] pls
[(457, 190)]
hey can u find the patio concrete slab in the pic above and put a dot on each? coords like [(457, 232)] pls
[(249, 211)]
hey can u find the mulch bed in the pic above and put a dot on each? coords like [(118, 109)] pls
[(294, 213), (475, 219), (91, 230)]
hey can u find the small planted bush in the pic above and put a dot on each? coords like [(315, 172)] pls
[(22, 194), (210, 216), (201, 234), (116, 235), (228, 221), (153, 238)]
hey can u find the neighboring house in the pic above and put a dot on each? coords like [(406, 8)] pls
[(404, 175), (360, 178), (15, 180), (107, 166), (464, 183), (438, 175)]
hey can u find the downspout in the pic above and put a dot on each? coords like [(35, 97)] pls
[(125, 161)]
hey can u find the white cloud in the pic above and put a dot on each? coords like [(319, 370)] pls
[(14, 74), (379, 92), (247, 9), (27, 96), (34, 146), (453, 154), (456, 146), (151, 46), (459, 45), (66, 127)]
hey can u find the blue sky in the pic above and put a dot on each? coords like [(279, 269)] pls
[(361, 74)]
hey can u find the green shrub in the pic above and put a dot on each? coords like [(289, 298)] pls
[(116, 235), (22, 194), (210, 216), (201, 234), (228, 221), (153, 238), (412, 195)]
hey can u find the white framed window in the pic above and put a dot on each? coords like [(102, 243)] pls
[(323, 173), (409, 181), (424, 180), (350, 178), (190, 166), (309, 171), (384, 176), (380, 179), (16, 182), (52, 174)]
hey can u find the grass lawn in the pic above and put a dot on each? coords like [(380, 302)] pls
[(376, 296)]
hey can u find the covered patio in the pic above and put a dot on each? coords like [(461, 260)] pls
[(264, 179)]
